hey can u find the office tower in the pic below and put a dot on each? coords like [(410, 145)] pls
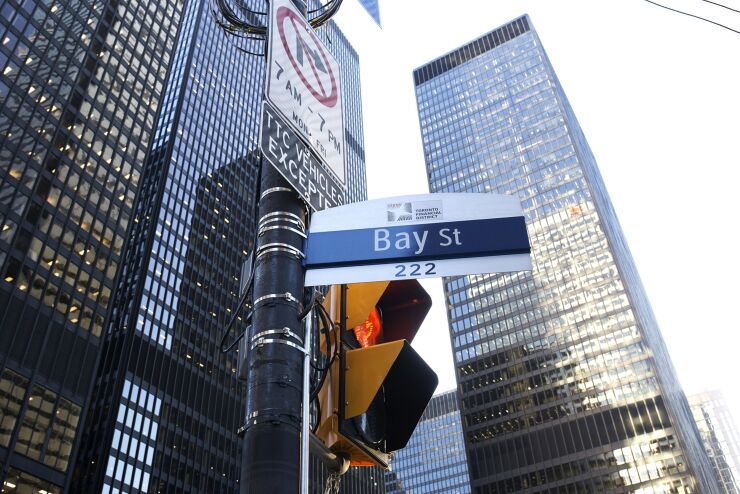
[(128, 133), (721, 437), (434, 460), (80, 88), (167, 403), (371, 6), (566, 384)]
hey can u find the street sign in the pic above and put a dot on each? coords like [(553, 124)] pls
[(419, 236), (296, 163), (303, 84)]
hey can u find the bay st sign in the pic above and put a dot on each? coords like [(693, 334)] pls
[(417, 237)]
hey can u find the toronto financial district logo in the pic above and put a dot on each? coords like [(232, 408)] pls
[(400, 212)]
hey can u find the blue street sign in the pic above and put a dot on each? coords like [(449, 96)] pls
[(420, 236), (406, 243)]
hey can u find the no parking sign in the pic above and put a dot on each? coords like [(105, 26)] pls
[(303, 84)]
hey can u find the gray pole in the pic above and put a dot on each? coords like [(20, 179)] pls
[(271, 452)]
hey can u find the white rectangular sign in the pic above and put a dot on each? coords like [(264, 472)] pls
[(419, 236), (304, 85)]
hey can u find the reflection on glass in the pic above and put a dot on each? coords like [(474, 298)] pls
[(560, 364), (13, 389)]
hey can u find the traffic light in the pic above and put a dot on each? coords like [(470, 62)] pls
[(378, 387)]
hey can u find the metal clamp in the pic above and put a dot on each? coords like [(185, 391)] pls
[(268, 341), (279, 247), (286, 219), (268, 415), (272, 190), (283, 331), (271, 296), (265, 229), (277, 215)]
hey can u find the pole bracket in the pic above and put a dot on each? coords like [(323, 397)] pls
[(272, 190), (268, 341), (274, 297), (279, 331), (279, 247), (265, 229)]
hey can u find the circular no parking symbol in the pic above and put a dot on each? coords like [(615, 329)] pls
[(307, 56)]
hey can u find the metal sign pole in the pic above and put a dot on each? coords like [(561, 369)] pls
[(305, 408), (271, 453), (276, 430)]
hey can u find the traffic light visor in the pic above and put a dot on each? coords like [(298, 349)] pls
[(406, 382)]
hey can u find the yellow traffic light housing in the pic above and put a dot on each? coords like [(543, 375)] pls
[(379, 386)]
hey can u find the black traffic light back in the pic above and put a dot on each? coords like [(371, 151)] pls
[(403, 307), (400, 401)]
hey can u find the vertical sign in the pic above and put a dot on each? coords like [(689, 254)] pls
[(303, 84)]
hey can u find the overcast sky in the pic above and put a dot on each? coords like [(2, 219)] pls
[(658, 97)]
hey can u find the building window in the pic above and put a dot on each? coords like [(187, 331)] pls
[(13, 389), (21, 482), (35, 423), (47, 427)]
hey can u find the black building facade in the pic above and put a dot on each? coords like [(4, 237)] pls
[(80, 87), (125, 225)]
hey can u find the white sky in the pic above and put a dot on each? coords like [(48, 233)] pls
[(657, 95)]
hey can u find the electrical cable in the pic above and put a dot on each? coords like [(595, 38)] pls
[(237, 47), (234, 316), (318, 415), (721, 5), (308, 305), (325, 320), (313, 11), (325, 369), (231, 23), (694, 16)]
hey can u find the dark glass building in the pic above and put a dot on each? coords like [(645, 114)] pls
[(127, 192), (80, 88), (566, 384), (167, 404), (721, 437), (434, 460)]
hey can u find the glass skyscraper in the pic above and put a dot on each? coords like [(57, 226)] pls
[(80, 88), (721, 437), (128, 179), (566, 384), (433, 461), (167, 404)]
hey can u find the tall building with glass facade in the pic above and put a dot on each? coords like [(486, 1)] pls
[(721, 437), (167, 403), (566, 384), (128, 178), (433, 461), (81, 84)]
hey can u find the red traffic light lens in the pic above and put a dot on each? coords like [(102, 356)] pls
[(367, 333)]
